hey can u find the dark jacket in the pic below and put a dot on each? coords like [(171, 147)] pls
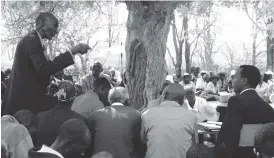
[(246, 108), (30, 76), (34, 154), (116, 130), (49, 122)]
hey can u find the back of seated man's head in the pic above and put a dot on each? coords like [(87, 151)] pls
[(247, 76), (102, 86), (74, 137), (199, 151), (264, 141), (118, 95), (174, 92), (25, 117)]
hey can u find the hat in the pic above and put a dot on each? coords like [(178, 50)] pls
[(204, 72), (64, 90), (233, 72), (186, 74), (269, 72), (209, 112), (170, 78)]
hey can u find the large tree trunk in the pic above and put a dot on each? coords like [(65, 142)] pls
[(147, 30)]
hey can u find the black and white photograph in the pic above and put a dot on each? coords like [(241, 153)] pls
[(137, 79)]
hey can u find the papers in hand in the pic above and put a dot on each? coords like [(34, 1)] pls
[(211, 126)]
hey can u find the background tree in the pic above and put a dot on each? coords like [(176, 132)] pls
[(263, 21), (147, 29)]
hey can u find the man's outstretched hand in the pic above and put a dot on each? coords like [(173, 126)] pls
[(80, 48)]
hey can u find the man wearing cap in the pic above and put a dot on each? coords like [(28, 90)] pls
[(202, 82), (187, 81), (88, 80)]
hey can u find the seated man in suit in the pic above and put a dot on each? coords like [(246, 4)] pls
[(73, 138), (245, 108), (116, 129)]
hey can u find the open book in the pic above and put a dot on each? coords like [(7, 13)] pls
[(209, 126)]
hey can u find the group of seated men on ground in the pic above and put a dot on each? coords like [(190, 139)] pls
[(95, 120)]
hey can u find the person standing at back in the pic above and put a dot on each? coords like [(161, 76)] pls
[(96, 72), (246, 108), (169, 129), (93, 99), (30, 74)]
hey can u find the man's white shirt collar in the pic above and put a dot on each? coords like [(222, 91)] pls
[(41, 40), (46, 149), (248, 89), (117, 104)]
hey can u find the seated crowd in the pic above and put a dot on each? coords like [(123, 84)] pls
[(94, 119)]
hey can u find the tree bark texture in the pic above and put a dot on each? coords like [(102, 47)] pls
[(147, 30)]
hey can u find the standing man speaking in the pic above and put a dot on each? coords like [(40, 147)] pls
[(31, 70)]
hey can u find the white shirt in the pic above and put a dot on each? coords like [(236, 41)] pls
[(212, 88), (40, 38), (248, 89), (46, 149), (262, 90), (201, 84), (199, 103)]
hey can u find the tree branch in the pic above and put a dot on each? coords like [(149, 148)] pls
[(260, 53), (173, 61), (174, 35), (250, 18)]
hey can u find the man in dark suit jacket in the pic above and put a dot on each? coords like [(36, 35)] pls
[(245, 108), (73, 137), (116, 129), (31, 69)]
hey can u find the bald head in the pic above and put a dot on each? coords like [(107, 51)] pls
[(118, 94), (175, 92), (47, 25)]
